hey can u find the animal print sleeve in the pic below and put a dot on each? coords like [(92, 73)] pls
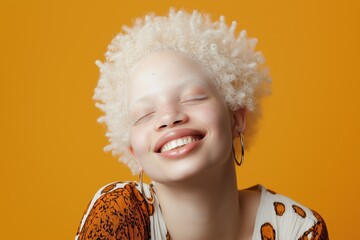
[(118, 211)]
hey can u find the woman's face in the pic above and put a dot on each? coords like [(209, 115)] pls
[(180, 124)]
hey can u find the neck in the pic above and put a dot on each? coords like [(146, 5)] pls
[(204, 207)]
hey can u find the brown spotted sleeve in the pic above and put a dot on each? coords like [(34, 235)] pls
[(280, 217)]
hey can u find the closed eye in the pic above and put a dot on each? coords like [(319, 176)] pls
[(144, 118), (194, 99)]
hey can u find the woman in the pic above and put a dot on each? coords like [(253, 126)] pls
[(176, 92)]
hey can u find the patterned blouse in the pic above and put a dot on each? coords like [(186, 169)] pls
[(119, 211)]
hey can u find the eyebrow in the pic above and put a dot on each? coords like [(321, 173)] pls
[(138, 99)]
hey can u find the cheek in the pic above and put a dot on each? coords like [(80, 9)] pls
[(217, 117), (138, 142)]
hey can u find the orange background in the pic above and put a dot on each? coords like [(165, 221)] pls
[(52, 162)]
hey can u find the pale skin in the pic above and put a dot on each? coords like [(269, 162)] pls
[(171, 97)]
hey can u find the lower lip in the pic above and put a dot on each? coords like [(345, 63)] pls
[(182, 151)]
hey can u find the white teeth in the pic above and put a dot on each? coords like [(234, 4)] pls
[(178, 143)]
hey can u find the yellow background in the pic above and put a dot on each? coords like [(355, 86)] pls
[(52, 162)]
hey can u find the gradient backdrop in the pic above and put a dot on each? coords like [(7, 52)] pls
[(52, 162)]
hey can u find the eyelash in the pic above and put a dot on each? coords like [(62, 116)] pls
[(196, 98), (142, 118)]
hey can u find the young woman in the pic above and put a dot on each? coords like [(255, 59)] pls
[(176, 92)]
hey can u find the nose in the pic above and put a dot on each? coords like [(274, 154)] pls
[(170, 118)]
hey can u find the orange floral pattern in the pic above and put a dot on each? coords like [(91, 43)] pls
[(122, 213)]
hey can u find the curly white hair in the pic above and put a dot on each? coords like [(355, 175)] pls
[(236, 68)]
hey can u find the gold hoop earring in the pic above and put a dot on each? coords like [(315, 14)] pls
[(242, 151), (152, 199)]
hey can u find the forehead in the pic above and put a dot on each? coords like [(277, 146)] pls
[(165, 69), (165, 62)]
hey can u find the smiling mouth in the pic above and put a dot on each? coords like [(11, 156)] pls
[(178, 143)]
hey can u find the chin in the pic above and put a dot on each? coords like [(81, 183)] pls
[(181, 172)]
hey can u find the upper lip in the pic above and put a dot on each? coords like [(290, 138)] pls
[(175, 134)]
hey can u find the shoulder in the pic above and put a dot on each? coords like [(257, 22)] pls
[(285, 218), (117, 211)]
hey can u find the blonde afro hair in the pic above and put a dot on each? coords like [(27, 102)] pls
[(231, 61)]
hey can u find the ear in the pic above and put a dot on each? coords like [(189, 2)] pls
[(132, 151), (239, 121)]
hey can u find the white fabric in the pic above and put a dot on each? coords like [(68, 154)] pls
[(289, 226), (158, 227)]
